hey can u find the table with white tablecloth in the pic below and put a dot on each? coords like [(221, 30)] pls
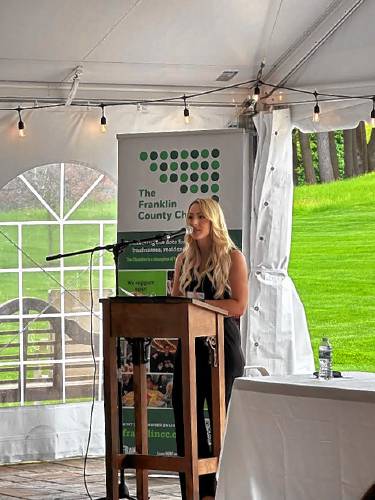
[(299, 438)]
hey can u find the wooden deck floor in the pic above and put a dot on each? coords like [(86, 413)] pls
[(63, 479)]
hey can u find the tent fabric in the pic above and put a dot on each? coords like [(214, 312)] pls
[(50, 432), (74, 135), (333, 115), (278, 337)]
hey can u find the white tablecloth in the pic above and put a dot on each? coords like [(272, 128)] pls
[(299, 438)]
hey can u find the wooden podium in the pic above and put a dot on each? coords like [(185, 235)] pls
[(137, 318)]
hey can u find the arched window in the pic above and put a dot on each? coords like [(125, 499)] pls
[(45, 354)]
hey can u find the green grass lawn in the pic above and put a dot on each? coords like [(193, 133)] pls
[(333, 267)]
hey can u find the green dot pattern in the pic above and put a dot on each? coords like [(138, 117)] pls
[(196, 170)]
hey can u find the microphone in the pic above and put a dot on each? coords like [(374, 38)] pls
[(181, 232)]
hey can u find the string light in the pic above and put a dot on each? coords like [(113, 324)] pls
[(21, 125), (103, 121), (186, 112), (258, 82), (316, 108), (373, 112)]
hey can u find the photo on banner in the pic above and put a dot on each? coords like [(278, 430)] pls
[(159, 175)]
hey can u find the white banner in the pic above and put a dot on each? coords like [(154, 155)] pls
[(160, 174)]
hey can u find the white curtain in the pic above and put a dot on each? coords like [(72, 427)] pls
[(278, 337)]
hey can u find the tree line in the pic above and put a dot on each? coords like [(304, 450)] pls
[(329, 156)]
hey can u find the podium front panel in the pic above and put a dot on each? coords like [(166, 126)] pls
[(140, 320)]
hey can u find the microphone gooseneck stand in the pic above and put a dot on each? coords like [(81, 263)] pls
[(140, 347)]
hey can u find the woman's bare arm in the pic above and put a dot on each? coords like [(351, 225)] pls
[(176, 292), (238, 274)]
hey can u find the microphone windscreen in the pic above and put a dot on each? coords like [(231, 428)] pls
[(189, 230)]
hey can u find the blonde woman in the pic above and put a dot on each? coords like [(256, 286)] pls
[(210, 264)]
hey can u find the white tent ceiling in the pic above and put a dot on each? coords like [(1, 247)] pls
[(152, 48)]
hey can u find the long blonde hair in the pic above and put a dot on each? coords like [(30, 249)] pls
[(219, 262)]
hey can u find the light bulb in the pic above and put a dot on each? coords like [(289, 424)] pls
[(103, 125), (316, 113), (21, 129), (256, 93), (186, 116), (103, 121), (21, 125)]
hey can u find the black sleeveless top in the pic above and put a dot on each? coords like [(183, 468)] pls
[(207, 288), (234, 359)]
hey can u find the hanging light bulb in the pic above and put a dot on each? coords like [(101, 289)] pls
[(281, 97), (373, 113), (256, 93), (316, 108), (103, 121), (186, 113), (21, 125)]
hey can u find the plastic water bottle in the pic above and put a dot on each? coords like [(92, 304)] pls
[(325, 359)]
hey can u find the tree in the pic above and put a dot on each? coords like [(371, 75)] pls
[(308, 167), (348, 154), (371, 151), (333, 152), (355, 152), (325, 165), (362, 148), (295, 158)]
